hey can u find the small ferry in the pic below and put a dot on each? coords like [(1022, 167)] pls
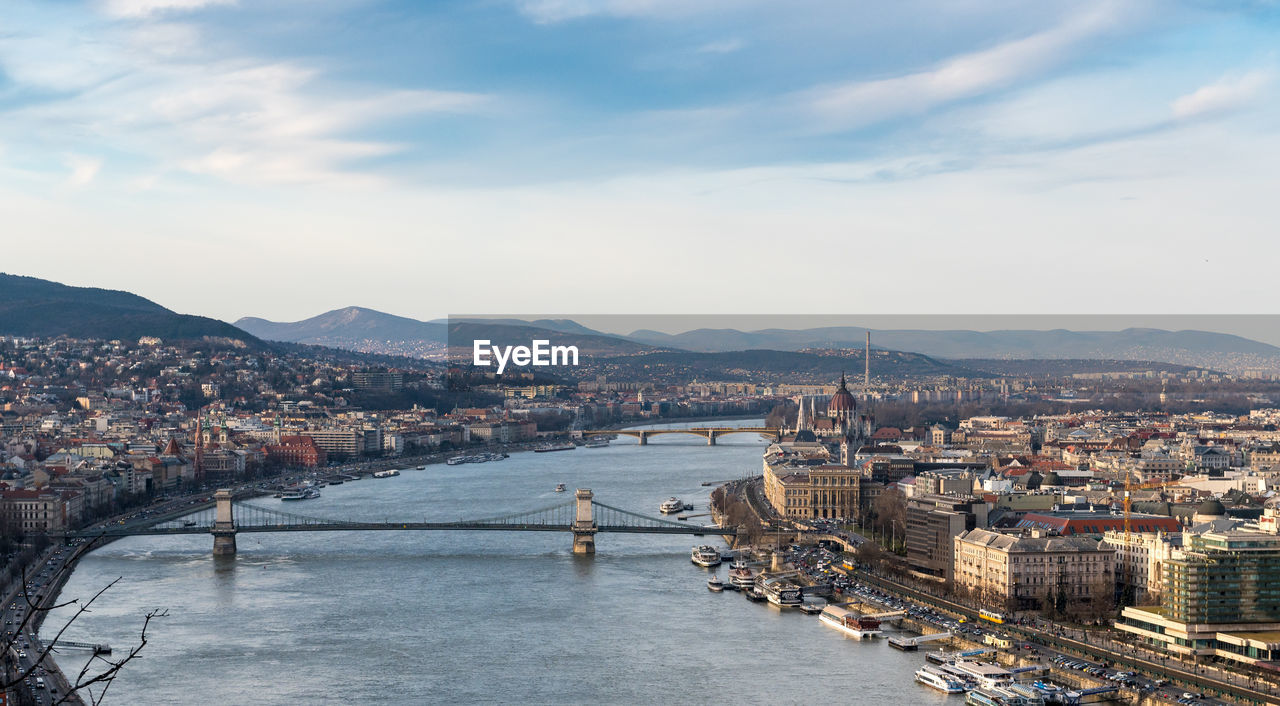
[(554, 447), (297, 493), (850, 623), (671, 506), (714, 584), (783, 595), (422, 468), (386, 474), (559, 487), (936, 679), (705, 555)]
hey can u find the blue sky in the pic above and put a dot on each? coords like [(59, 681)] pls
[(283, 158)]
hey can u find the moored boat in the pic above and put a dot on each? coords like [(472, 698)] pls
[(850, 623), (783, 595), (714, 584), (741, 576), (554, 447), (386, 474), (299, 493), (705, 555), (671, 506), (933, 678)]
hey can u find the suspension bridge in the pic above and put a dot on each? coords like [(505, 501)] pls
[(227, 517)]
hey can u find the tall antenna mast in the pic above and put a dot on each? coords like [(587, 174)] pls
[(866, 375)]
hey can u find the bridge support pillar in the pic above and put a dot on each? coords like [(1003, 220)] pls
[(711, 438), (584, 523), (224, 526), (644, 439)]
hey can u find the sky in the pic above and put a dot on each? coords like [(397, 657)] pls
[(280, 159)]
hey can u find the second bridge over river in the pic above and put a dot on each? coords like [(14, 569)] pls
[(708, 433), (227, 516)]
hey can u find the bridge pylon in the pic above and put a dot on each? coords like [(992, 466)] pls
[(224, 526), (584, 524), (711, 437)]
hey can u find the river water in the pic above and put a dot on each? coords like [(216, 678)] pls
[(467, 617)]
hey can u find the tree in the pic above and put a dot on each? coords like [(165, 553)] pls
[(91, 683)]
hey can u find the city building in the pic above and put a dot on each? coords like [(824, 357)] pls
[(1221, 598), (1033, 571), (933, 521)]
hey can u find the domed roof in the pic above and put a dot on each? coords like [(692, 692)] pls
[(843, 400), (1052, 479), (1211, 508)]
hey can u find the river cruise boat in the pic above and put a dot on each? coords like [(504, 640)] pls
[(554, 447), (714, 584), (386, 474), (705, 555), (297, 493), (754, 594), (741, 577), (988, 675), (850, 623), (671, 506), (783, 595), (456, 460), (939, 680), (1003, 696)]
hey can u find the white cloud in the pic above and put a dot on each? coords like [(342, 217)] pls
[(1227, 94), (83, 169), (726, 46), (155, 94), (861, 103), (147, 8)]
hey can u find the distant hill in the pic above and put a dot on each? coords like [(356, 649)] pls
[(370, 331), (37, 307), (767, 365), (359, 329), (1061, 367), (1195, 348)]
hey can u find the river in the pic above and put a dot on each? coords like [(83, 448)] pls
[(474, 617)]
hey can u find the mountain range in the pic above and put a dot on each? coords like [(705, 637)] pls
[(373, 331), (36, 307)]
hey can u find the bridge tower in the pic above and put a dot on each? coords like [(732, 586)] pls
[(711, 437), (584, 524), (644, 438), (224, 526)]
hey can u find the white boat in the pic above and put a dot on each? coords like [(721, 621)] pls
[(299, 493), (783, 595), (386, 474), (714, 584), (850, 623), (456, 460), (671, 506), (705, 555), (560, 487), (597, 442), (422, 468), (934, 678), (741, 576)]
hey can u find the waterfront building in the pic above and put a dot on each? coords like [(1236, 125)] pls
[(1140, 559), (297, 451), (1221, 598), (933, 521), (1026, 571)]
